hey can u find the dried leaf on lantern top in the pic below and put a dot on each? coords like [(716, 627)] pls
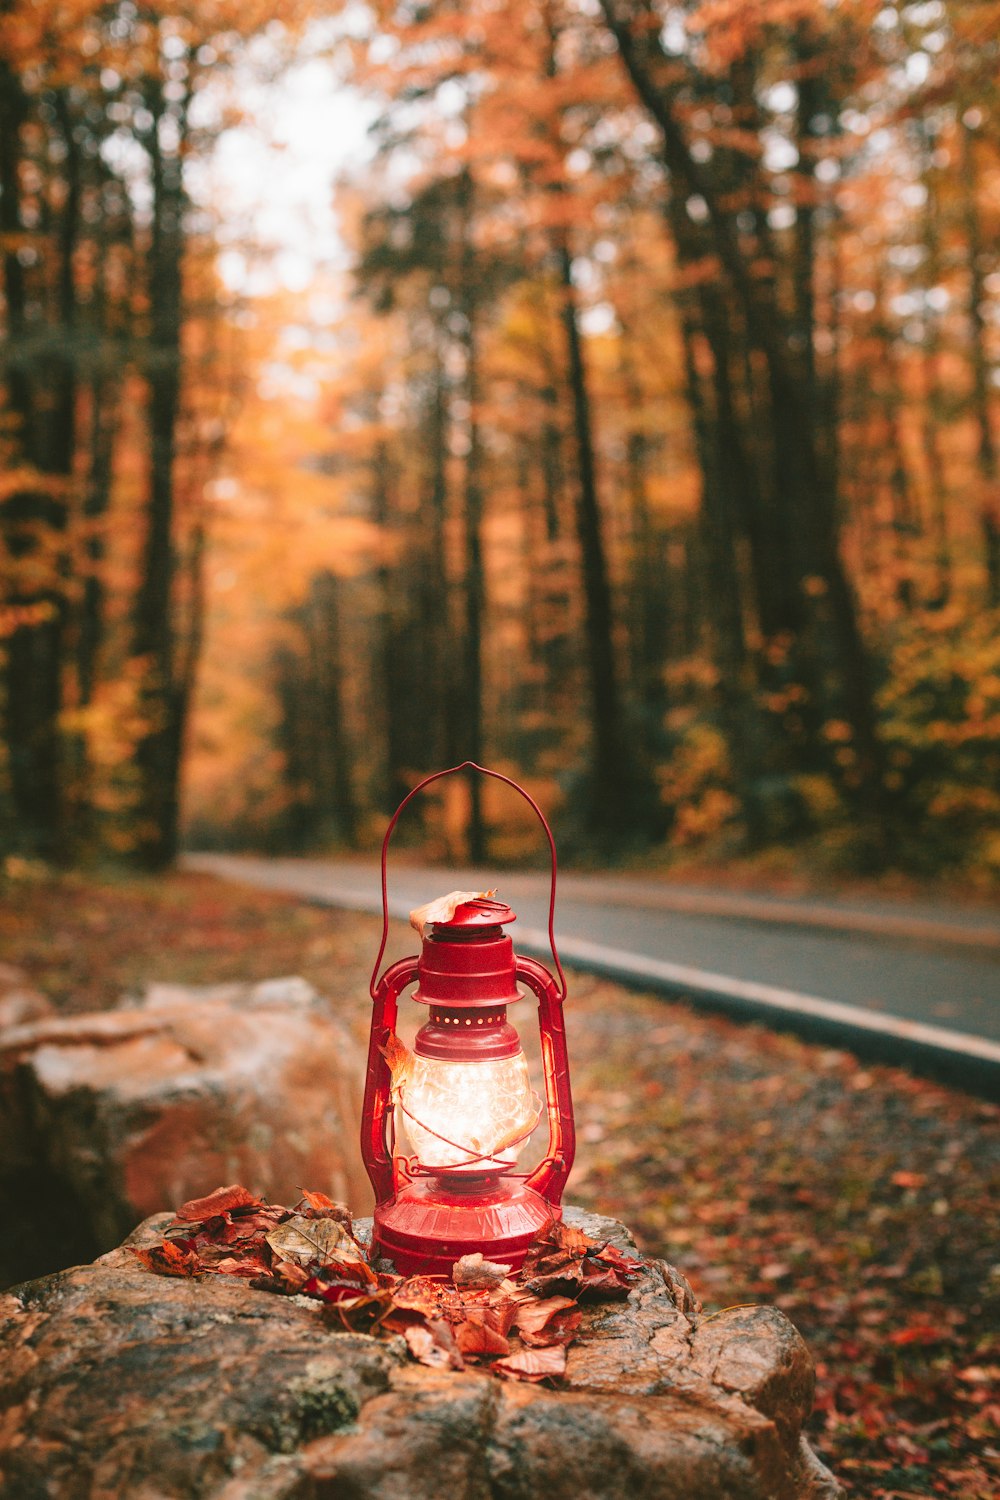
[(223, 1201), (170, 1259), (443, 908), (533, 1364), (477, 1272), (400, 1061), (323, 1240)]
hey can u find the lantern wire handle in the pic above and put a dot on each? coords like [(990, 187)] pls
[(470, 765)]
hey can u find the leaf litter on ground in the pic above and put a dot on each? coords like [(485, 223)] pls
[(520, 1324)]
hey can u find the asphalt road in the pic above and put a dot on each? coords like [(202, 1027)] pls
[(910, 972)]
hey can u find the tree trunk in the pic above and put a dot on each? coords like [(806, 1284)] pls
[(830, 651), (611, 788), (41, 392), (986, 447), (475, 594), (158, 751)]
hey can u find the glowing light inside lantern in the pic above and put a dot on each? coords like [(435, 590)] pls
[(457, 1113)]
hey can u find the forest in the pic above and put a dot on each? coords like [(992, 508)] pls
[(641, 442)]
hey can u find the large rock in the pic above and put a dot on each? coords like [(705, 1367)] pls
[(108, 1118), (19, 1002), (115, 1382)]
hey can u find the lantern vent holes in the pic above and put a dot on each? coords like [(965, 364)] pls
[(451, 1018)]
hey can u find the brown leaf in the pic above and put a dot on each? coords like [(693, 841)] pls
[(250, 1226), (325, 1208), (475, 1338), (222, 1201), (567, 1237), (291, 1277), (170, 1259), (559, 1282), (533, 1364), (422, 1292), (532, 1316), (400, 1061), (500, 1314), (322, 1240), (241, 1265), (433, 1344), (356, 1310), (443, 908), (475, 1271), (561, 1328)]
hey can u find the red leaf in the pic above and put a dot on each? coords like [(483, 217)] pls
[(241, 1265), (170, 1259), (339, 1280), (475, 1338), (561, 1328), (500, 1315), (533, 1364), (917, 1333), (908, 1179), (531, 1317), (224, 1200)]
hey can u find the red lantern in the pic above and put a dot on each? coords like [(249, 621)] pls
[(463, 1098)]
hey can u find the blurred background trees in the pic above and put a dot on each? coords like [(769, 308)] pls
[(644, 446)]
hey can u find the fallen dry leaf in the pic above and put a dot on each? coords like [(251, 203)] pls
[(443, 908), (305, 1240), (170, 1259), (533, 1364), (400, 1062), (222, 1201), (433, 1344), (326, 1208), (562, 1328), (532, 1316), (475, 1271), (477, 1339)]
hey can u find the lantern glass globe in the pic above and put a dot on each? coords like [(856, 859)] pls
[(472, 1116)]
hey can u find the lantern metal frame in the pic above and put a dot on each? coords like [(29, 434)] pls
[(426, 1219)]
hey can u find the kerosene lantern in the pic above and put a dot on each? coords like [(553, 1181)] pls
[(462, 1101)]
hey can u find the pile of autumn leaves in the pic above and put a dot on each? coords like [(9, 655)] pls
[(476, 1316)]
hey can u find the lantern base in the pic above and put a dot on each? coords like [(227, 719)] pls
[(427, 1226)]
